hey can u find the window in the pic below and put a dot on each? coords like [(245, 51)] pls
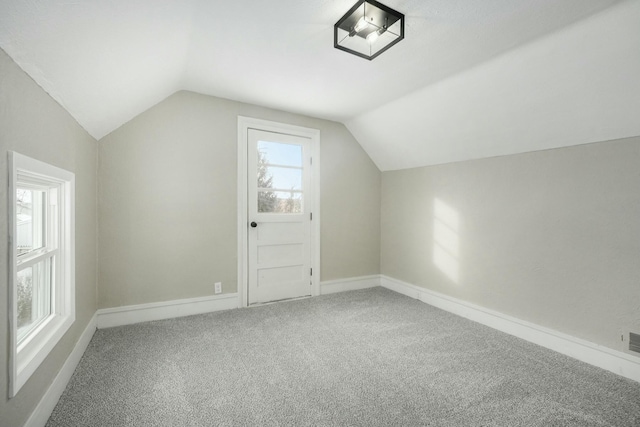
[(41, 264), (280, 170)]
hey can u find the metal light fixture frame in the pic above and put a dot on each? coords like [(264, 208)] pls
[(344, 21)]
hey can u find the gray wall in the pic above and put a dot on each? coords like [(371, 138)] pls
[(168, 201), (33, 124), (550, 237)]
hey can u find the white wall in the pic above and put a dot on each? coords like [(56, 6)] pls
[(551, 237), (33, 124), (167, 201)]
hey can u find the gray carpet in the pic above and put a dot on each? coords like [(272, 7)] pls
[(364, 358)]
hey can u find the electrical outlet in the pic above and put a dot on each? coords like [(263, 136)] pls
[(217, 288), (634, 342)]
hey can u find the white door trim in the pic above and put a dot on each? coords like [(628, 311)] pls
[(245, 123)]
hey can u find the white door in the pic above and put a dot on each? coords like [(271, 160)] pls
[(279, 216)]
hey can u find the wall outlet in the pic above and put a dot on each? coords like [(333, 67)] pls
[(217, 288), (634, 342)]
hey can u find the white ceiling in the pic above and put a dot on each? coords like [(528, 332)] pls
[(579, 85), (107, 61)]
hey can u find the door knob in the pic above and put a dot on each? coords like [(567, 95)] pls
[(253, 224)]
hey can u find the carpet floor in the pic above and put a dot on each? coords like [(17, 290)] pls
[(363, 358)]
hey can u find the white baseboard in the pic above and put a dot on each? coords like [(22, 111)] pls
[(41, 414), (585, 351), (350, 284), (130, 314), (603, 357)]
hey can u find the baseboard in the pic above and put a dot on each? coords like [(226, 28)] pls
[(603, 357), (130, 314), (350, 284), (41, 414), (585, 351)]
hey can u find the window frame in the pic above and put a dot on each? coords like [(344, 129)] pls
[(42, 254), (27, 354)]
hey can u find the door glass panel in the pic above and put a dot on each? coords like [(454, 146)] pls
[(279, 176), (280, 202), (278, 153), (34, 296), (30, 220)]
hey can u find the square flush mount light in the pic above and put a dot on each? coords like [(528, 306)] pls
[(368, 29)]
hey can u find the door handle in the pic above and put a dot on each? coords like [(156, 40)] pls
[(254, 224)]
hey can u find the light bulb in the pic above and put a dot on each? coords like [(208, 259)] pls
[(372, 37), (361, 24)]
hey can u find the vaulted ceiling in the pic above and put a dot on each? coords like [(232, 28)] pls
[(106, 61)]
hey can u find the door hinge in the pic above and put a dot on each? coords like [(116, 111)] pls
[(311, 271), (311, 216), (310, 160)]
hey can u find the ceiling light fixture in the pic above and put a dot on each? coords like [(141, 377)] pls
[(368, 29)]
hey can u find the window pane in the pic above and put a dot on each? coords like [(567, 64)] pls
[(280, 167), (278, 153), (30, 219), (280, 178), (34, 296), (280, 202)]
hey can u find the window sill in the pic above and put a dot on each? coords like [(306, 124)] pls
[(32, 352)]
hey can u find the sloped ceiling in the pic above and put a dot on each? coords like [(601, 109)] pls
[(579, 85), (107, 61)]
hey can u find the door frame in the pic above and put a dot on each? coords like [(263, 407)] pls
[(244, 124)]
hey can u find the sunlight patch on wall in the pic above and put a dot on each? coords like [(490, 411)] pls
[(446, 241)]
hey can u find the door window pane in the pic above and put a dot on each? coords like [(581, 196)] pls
[(278, 153), (280, 202), (280, 173), (280, 178), (34, 296), (30, 220)]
